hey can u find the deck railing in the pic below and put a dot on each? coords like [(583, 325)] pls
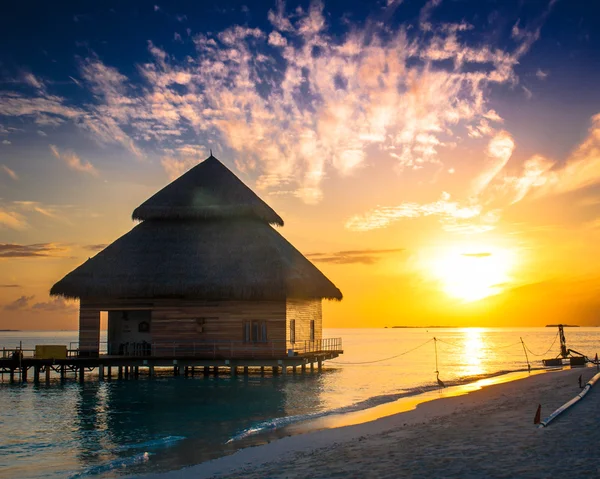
[(211, 349), (202, 349)]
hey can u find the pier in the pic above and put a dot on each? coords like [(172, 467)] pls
[(179, 359)]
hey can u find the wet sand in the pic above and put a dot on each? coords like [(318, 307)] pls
[(486, 433)]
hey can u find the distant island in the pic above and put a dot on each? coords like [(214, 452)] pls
[(422, 327), (10, 330), (563, 325)]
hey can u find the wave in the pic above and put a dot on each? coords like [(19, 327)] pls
[(112, 465), (155, 443), (280, 422)]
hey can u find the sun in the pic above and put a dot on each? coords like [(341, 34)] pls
[(474, 273)]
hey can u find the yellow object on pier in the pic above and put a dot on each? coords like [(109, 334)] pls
[(47, 351)]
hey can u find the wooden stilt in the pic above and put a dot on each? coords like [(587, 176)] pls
[(216, 370), (101, 372), (294, 369), (320, 365), (312, 367), (120, 372), (151, 371), (11, 376), (24, 374), (275, 370), (186, 371), (62, 373), (192, 370), (245, 370), (284, 370), (262, 370), (180, 371), (48, 369), (303, 368), (36, 374), (109, 372), (81, 374), (206, 370), (137, 372)]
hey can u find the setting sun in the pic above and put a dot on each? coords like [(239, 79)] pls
[(473, 275)]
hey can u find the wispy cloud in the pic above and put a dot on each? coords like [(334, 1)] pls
[(39, 250), (53, 304), (366, 256), (73, 161), (12, 220), (9, 172), (95, 247), (295, 102), (10, 286)]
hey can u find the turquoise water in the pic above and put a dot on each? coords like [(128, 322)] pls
[(111, 429)]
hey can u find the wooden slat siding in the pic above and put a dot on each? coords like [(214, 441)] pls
[(303, 311), (89, 329), (222, 321)]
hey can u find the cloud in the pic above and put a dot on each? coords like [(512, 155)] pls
[(73, 161), (53, 304), (9, 172), (12, 220), (19, 303), (10, 286), (367, 256), (542, 75), (38, 250), (56, 304), (299, 102), (95, 247), (42, 133), (499, 151), (451, 213), (6, 142)]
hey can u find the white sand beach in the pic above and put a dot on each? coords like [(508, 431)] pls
[(486, 433)]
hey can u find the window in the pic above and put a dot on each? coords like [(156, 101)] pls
[(312, 330), (255, 331), (292, 330)]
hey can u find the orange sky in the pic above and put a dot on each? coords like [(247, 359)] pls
[(436, 174)]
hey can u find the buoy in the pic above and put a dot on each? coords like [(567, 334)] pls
[(538, 415)]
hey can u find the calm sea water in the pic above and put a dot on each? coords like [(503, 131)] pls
[(110, 429)]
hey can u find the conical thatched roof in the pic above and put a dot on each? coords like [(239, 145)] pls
[(209, 190), (176, 252)]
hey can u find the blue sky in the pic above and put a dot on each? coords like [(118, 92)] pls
[(387, 125)]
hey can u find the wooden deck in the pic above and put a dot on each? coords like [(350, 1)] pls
[(223, 357)]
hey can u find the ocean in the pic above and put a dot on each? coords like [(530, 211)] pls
[(116, 428)]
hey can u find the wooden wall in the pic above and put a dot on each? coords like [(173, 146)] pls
[(303, 311), (89, 331)]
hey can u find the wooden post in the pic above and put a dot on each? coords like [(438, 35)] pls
[(180, 371), (275, 370), (36, 374), (100, 372), (81, 374), (294, 369), (284, 369), (192, 370), (233, 369), (24, 374), (216, 370), (303, 368), (12, 376), (312, 367), (186, 371), (262, 370), (206, 370), (320, 365), (137, 372), (245, 370), (120, 372), (109, 372), (62, 372), (48, 369), (151, 370), (126, 372)]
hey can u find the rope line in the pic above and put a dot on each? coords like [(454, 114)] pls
[(549, 349), (387, 359)]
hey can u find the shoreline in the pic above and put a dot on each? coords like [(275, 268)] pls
[(360, 428)]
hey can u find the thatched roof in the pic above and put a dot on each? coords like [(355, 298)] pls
[(232, 256), (209, 190)]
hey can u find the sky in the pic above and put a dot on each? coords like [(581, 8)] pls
[(438, 160)]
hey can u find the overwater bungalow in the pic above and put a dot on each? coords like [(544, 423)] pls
[(203, 275)]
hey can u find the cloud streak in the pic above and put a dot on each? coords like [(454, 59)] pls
[(73, 161), (39, 250), (366, 256)]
